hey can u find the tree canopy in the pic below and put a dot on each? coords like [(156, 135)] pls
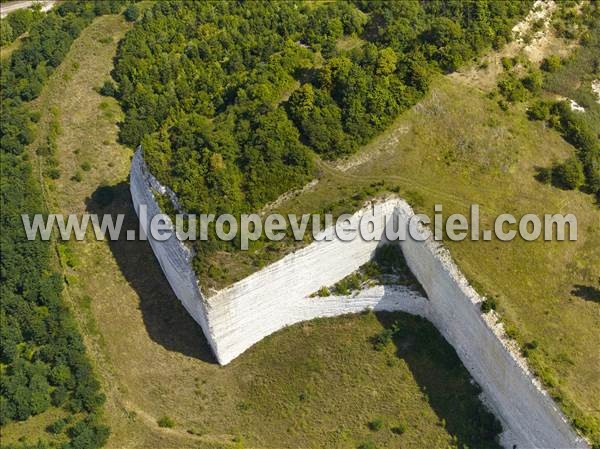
[(232, 101), (195, 79), (42, 355)]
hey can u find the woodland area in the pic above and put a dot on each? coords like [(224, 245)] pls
[(234, 102), (42, 355)]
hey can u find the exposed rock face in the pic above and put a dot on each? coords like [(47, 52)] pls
[(237, 317)]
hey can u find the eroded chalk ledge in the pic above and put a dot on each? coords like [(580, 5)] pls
[(237, 317)]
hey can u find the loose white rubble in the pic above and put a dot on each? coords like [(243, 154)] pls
[(596, 89), (575, 106), (277, 296)]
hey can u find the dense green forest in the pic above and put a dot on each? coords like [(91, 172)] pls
[(42, 356), (19, 22), (233, 102)]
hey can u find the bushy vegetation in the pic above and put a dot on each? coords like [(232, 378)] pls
[(132, 13), (18, 22), (166, 421), (376, 425), (585, 167), (232, 102), (489, 304), (569, 174), (571, 78), (388, 267), (520, 81), (107, 89), (42, 354)]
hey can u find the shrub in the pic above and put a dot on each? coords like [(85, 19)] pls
[(488, 305), (371, 270), (551, 64), (166, 421), (376, 425), (568, 175), (57, 426), (507, 63), (348, 285), (540, 110), (538, 25), (503, 104), (244, 406), (35, 116), (108, 89), (77, 177), (323, 292), (132, 13), (367, 445), (86, 166), (400, 428), (533, 81), (382, 339), (512, 89), (528, 347), (53, 173)]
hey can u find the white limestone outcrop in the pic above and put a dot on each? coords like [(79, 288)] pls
[(237, 317)]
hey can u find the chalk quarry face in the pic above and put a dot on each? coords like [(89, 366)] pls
[(237, 317)]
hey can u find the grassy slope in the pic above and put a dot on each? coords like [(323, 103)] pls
[(6, 50), (458, 148), (313, 385), (29, 431)]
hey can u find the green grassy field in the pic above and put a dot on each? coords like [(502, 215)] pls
[(35, 427), (319, 384), (6, 50)]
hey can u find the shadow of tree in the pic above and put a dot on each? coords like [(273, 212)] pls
[(587, 292), (165, 318)]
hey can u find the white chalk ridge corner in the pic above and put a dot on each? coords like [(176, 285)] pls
[(237, 317)]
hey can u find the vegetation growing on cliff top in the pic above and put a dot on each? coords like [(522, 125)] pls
[(211, 89), (388, 267)]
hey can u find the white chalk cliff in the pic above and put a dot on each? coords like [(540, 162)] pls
[(237, 317)]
